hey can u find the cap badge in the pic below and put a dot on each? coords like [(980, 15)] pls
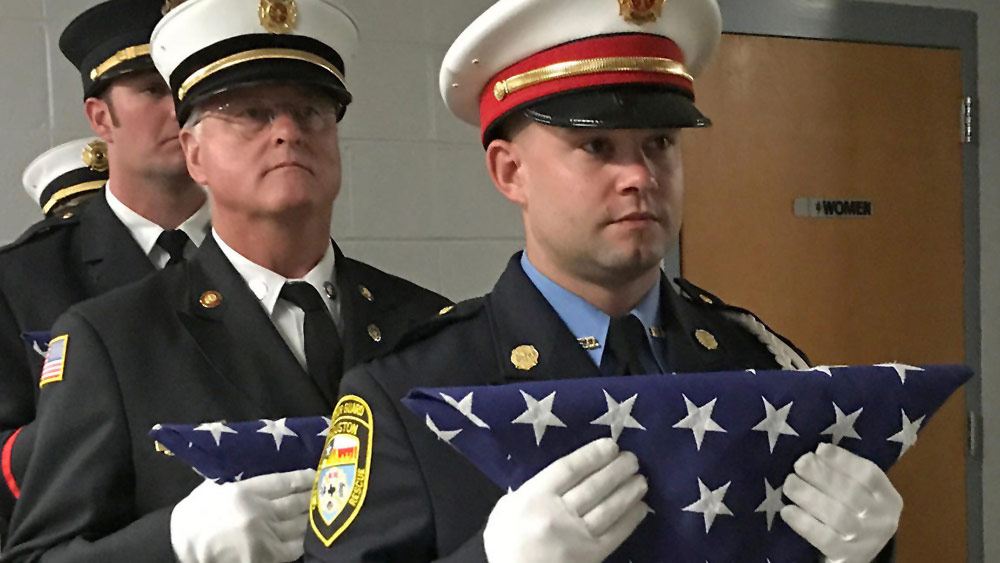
[(641, 11), (95, 156), (278, 16)]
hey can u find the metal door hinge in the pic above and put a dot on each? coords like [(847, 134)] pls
[(968, 120), (975, 424)]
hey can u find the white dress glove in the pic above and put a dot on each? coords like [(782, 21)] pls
[(579, 509), (260, 520), (844, 505)]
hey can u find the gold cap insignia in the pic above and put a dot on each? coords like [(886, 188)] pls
[(95, 156), (707, 299), (278, 16), (707, 339), (524, 357), (375, 333), (210, 299), (641, 11)]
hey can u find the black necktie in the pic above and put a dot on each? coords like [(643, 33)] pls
[(324, 351), (626, 345), (173, 242)]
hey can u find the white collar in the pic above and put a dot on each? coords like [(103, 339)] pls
[(146, 232), (266, 285)]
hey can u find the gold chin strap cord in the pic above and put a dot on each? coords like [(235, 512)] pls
[(118, 58), (504, 88)]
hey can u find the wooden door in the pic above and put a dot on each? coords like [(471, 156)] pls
[(800, 118)]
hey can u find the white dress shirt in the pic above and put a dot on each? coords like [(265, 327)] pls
[(146, 232), (287, 317)]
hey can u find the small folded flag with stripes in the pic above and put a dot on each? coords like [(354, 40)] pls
[(715, 448)]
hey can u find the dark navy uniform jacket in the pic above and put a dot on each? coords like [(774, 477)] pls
[(57, 262), (424, 501), (96, 490)]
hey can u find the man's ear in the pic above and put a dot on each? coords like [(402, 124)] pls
[(191, 144), (99, 116), (506, 168)]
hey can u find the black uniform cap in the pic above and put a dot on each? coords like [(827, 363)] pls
[(109, 40)]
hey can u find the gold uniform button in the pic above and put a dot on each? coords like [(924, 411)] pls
[(375, 333), (707, 339), (67, 215), (524, 357), (210, 299), (366, 293), (446, 310), (707, 299)]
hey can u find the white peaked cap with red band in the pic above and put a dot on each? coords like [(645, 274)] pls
[(519, 52)]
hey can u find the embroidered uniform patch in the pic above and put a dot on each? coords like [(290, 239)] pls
[(344, 468), (55, 361)]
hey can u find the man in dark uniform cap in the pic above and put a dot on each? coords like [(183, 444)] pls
[(581, 105), (150, 210), (257, 326)]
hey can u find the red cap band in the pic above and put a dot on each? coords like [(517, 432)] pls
[(604, 47)]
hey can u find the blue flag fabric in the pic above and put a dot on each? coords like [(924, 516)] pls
[(731, 433), (229, 452)]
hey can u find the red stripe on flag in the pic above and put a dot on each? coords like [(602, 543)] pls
[(8, 471)]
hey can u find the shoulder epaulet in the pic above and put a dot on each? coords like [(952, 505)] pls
[(787, 355), (47, 225), (695, 294), (445, 317)]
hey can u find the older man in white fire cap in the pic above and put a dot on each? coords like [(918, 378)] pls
[(581, 104), (258, 325)]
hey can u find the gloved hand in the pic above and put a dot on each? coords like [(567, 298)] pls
[(579, 509), (260, 520), (845, 505)]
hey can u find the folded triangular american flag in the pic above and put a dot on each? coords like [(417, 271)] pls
[(228, 452), (715, 447)]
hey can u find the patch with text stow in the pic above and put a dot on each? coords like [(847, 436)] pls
[(344, 468)]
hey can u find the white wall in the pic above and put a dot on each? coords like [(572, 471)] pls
[(417, 201)]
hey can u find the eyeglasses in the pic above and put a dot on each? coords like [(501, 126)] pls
[(253, 116)]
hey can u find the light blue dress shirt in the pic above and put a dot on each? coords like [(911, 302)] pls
[(586, 321)]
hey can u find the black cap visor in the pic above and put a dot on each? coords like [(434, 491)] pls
[(630, 106), (260, 72)]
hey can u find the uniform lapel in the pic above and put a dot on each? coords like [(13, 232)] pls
[(369, 309), (681, 322), (239, 340), (525, 323), (352, 310), (111, 256)]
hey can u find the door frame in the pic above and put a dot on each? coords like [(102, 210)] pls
[(913, 26)]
